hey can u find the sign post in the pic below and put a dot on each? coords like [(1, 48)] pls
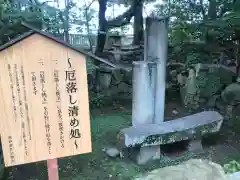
[(44, 101), (52, 165)]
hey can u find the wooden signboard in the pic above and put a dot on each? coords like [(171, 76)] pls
[(44, 101)]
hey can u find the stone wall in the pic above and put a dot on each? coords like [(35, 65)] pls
[(207, 85), (117, 82), (110, 85), (204, 87)]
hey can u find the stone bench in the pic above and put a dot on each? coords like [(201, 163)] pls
[(189, 127)]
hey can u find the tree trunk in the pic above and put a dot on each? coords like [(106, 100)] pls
[(102, 30), (88, 26), (212, 9), (138, 23), (66, 21), (237, 55), (118, 21)]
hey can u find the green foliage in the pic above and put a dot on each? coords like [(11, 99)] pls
[(39, 15), (96, 100), (192, 59), (208, 84), (84, 18), (90, 66), (231, 167), (200, 30)]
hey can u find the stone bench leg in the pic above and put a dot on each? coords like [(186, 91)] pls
[(148, 153), (195, 146)]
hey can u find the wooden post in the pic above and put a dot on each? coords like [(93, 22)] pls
[(52, 165)]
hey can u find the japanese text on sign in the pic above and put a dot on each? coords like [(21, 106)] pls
[(45, 108), (59, 108), (73, 108)]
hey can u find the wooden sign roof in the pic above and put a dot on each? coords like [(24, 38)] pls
[(44, 104), (34, 31)]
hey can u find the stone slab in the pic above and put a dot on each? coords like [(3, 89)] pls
[(188, 127)]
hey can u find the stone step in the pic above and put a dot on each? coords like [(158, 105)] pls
[(184, 128)]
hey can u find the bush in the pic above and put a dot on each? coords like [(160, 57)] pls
[(231, 167), (96, 100)]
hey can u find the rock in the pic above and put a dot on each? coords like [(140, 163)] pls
[(229, 112), (112, 151), (231, 94), (173, 76), (236, 110), (212, 101), (191, 83), (117, 75), (176, 66), (207, 83), (209, 80), (238, 79), (181, 79), (147, 154), (195, 146), (202, 100), (189, 92), (220, 105), (190, 101), (105, 79), (175, 112), (120, 91), (194, 169), (173, 73), (123, 87), (91, 81)]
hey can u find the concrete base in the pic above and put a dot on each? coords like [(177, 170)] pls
[(195, 146), (148, 153)]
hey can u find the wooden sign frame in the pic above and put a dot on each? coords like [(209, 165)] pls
[(44, 99)]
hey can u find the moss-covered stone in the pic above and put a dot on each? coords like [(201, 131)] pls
[(231, 94), (167, 138), (180, 136), (210, 80), (208, 84)]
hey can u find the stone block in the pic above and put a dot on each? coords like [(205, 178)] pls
[(195, 146), (231, 94), (148, 153), (184, 128)]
